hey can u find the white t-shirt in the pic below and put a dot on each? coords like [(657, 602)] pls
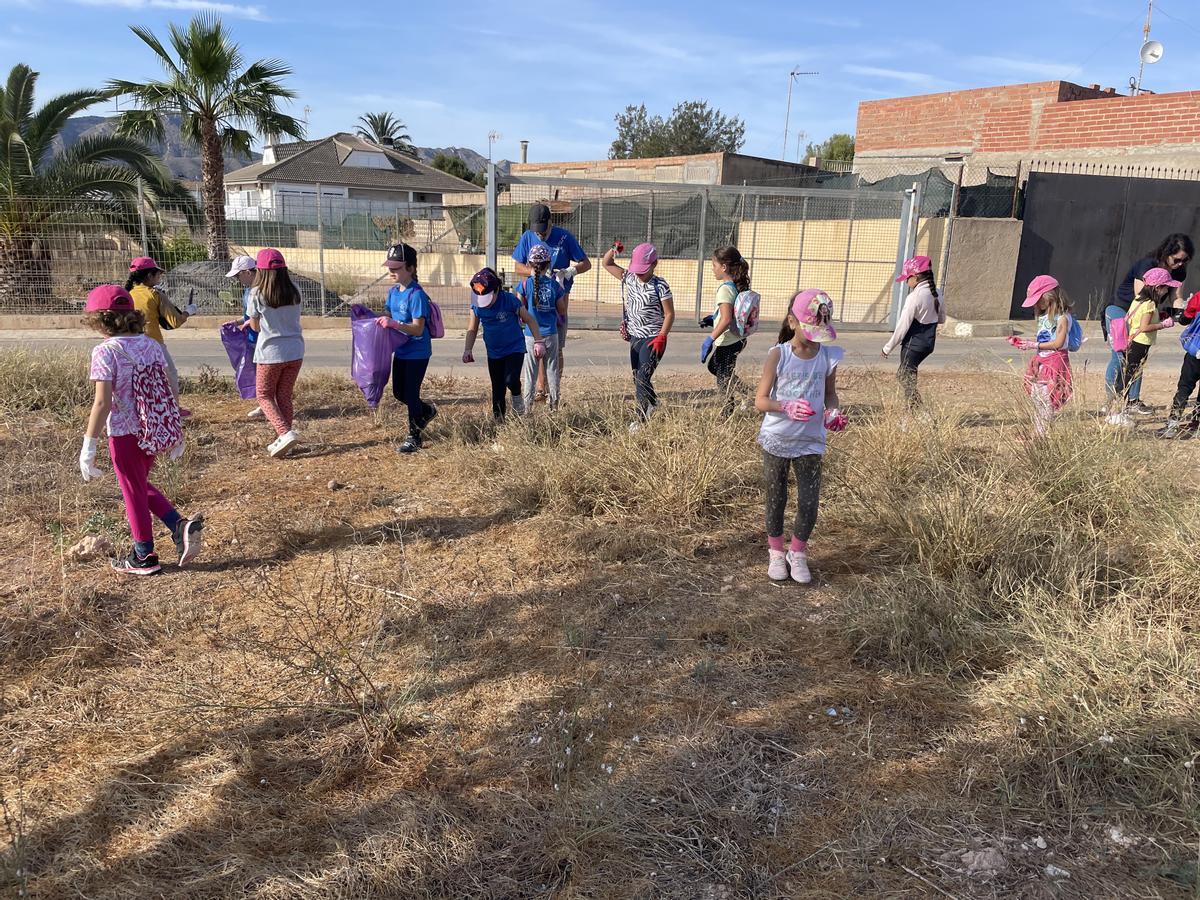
[(799, 379)]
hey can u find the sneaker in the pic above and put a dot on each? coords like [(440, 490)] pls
[(1120, 420), (189, 539), (433, 412), (281, 445), (777, 568), (137, 565), (798, 563), (635, 426), (518, 406), (256, 413), (411, 445), (1138, 408)]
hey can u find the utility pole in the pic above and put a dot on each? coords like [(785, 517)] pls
[(1145, 40), (792, 76)]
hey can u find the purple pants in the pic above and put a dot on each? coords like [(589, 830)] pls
[(132, 465)]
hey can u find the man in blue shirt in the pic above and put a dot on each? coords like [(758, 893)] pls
[(567, 260)]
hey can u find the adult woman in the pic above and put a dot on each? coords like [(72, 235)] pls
[(1173, 254)]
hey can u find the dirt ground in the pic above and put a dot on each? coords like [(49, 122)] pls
[(424, 676)]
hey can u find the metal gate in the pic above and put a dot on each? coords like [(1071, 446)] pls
[(849, 243)]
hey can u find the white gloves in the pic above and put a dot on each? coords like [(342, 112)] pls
[(175, 452), (562, 276), (87, 459), (191, 309)]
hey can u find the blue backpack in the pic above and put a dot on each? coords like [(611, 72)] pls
[(1190, 339), (1074, 335)]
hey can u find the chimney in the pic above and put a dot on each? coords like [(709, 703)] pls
[(1093, 87), (1110, 91), (269, 142), (524, 151)]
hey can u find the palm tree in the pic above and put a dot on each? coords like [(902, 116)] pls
[(95, 180), (217, 100), (382, 128)]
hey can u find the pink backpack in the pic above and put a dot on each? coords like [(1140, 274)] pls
[(157, 411), (436, 327)]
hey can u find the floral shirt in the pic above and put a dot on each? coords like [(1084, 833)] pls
[(114, 361)]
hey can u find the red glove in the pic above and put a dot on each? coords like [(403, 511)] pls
[(835, 420), (797, 410), (1193, 306), (618, 246), (659, 345)]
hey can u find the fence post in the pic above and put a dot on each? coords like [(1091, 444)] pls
[(700, 251), (800, 249), (490, 224), (910, 210), (949, 233), (1016, 189), (141, 203), (320, 248), (849, 250), (754, 231), (600, 251)]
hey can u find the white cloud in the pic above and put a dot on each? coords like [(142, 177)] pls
[(915, 78), (239, 11), (1021, 67)]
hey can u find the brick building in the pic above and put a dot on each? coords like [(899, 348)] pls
[(1048, 120)]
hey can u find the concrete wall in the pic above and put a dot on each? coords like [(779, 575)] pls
[(978, 283)]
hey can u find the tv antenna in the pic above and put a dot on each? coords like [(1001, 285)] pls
[(1151, 51), (493, 136), (792, 76)]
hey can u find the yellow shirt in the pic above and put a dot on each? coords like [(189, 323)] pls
[(148, 301), (1141, 314), (726, 293)]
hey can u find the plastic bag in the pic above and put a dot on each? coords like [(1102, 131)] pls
[(241, 357), (371, 349)]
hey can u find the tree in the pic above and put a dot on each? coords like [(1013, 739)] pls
[(693, 127), (93, 180), (837, 148), (452, 165), (218, 101), (382, 127)]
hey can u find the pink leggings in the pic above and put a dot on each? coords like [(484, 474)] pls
[(132, 465), (274, 384)]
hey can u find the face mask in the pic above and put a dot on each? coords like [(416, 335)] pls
[(483, 301)]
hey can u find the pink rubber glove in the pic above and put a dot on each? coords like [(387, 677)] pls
[(797, 410), (468, 356), (383, 322), (539, 349), (835, 420), (1168, 322), (1022, 343)]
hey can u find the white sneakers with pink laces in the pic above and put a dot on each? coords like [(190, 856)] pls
[(792, 563)]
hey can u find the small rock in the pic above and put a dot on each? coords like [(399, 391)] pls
[(1039, 842), (94, 546), (831, 712), (1117, 835), (335, 485), (1053, 871), (984, 862)]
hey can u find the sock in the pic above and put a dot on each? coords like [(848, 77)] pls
[(798, 546), (172, 520), (775, 543), (143, 548)]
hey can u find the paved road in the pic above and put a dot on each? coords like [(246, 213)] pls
[(604, 351)]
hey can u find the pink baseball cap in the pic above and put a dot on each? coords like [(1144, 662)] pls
[(1157, 277), (109, 296), (643, 258), (813, 310), (269, 258), (914, 266), (1037, 287), (144, 264)]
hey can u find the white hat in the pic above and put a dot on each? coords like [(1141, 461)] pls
[(240, 264)]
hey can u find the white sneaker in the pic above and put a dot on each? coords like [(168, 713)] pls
[(798, 563), (256, 413), (282, 445), (777, 569), (1120, 420), (635, 426)]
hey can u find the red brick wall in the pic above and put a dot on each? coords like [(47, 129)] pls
[(1147, 120)]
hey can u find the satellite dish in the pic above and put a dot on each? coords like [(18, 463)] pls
[(1151, 52)]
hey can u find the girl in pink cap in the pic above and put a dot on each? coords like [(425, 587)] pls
[(798, 393), (916, 329), (1048, 376), (1143, 322), (152, 302)]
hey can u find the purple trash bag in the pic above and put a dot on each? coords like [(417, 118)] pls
[(241, 357), (371, 352)]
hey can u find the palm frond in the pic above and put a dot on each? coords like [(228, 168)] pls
[(150, 40), (18, 94), (49, 121), (141, 124)]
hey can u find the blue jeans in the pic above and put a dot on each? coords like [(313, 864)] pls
[(643, 361), (1113, 372)]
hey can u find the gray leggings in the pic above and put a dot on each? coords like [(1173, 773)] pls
[(808, 488)]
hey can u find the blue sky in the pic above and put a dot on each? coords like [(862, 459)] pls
[(455, 71)]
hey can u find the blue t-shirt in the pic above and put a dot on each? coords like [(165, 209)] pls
[(251, 334), (564, 249), (501, 326), (404, 305), (544, 306)]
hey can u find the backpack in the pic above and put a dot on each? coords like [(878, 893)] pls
[(437, 328), (1190, 339), (156, 409), (745, 312), (1074, 335)]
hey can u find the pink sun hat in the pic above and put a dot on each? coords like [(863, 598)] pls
[(914, 266), (144, 264), (813, 310), (1037, 287), (109, 297), (269, 258), (643, 258), (1157, 277)]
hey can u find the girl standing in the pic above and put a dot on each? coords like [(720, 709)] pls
[(1144, 323), (545, 300), (916, 330), (501, 314), (1189, 376), (1048, 376), (274, 307), (408, 313), (798, 393), (152, 303), (242, 271), (733, 273), (647, 314), (130, 373)]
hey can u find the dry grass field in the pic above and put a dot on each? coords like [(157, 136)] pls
[(544, 660)]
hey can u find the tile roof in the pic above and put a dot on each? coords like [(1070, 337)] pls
[(310, 162)]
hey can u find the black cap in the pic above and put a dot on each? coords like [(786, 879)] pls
[(539, 218), (401, 253)]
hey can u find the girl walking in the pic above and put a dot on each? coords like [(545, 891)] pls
[(134, 402), (733, 273), (916, 329), (1048, 376), (545, 300), (408, 312), (274, 308), (1143, 323), (647, 314), (159, 312), (798, 393), (501, 315)]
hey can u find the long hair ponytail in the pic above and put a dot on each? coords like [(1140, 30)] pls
[(926, 277), (736, 265), (138, 277)]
